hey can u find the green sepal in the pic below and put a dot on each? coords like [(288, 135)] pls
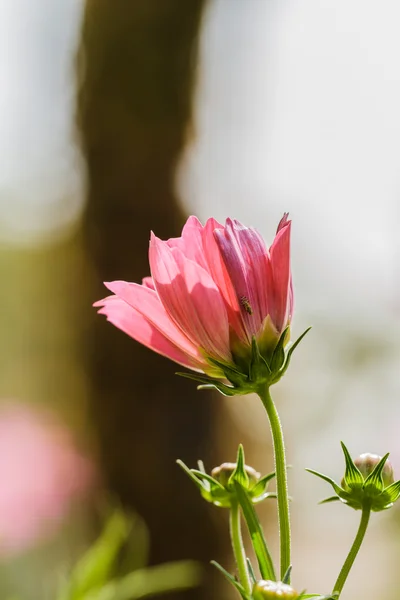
[(333, 483), (264, 496), (289, 353), (260, 487), (239, 475), (251, 571), (287, 575), (192, 476), (330, 499), (374, 481), (208, 383), (278, 357), (225, 390), (259, 370), (231, 580), (393, 491), (236, 377), (352, 476)]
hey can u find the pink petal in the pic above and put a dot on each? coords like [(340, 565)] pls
[(282, 303), (219, 273), (146, 302), (148, 282), (284, 222), (246, 260), (191, 298), (191, 241), (123, 316)]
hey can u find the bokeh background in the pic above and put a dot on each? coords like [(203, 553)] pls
[(121, 117)]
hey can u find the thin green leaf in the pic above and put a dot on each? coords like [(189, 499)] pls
[(286, 577), (98, 564), (150, 582), (263, 555), (251, 571), (231, 580)]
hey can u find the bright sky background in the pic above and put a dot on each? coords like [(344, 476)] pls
[(298, 110), (40, 175)]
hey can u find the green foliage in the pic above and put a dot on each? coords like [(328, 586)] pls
[(97, 575)]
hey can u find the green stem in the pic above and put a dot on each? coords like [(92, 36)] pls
[(281, 479), (256, 533), (348, 563), (238, 547)]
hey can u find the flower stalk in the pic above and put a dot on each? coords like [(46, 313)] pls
[(238, 547), (281, 480), (348, 563)]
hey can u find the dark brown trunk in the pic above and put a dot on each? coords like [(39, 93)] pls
[(137, 64)]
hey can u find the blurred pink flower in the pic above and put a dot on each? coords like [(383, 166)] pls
[(211, 291), (41, 473)]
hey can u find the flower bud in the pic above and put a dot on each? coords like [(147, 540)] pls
[(220, 487), (224, 472), (367, 462), (367, 482), (267, 590)]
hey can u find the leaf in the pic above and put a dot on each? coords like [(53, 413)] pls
[(264, 559), (150, 582), (231, 580), (251, 571), (286, 577), (96, 566)]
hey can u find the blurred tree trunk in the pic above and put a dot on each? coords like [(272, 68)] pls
[(137, 66)]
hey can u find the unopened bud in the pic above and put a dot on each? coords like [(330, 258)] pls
[(367, 482), (367, 462), (268, 590), (223, 473)]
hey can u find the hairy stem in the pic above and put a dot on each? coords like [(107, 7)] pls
[(281, 479), (348, 563)]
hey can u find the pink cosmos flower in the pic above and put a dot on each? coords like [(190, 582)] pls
[(212, 291), (41, 474)]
